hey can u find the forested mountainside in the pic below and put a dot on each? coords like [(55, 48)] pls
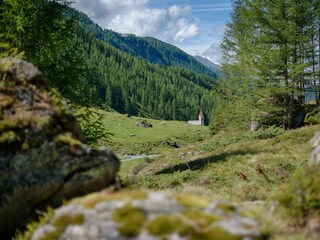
[(131, 85), (147, 48), (75, 57)]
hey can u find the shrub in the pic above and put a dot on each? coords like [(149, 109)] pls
[(302, 196), (270, 132), (92, 125)]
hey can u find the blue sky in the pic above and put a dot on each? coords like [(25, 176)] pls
[(210, 17), (195, 26)]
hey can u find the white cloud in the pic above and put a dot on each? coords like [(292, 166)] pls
[(184, 30), (133, 16)]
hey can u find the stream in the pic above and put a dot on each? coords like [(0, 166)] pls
[(135, 157)]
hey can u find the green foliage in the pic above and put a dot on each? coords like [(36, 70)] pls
[(6, 50), (75, 58), (301, 197), (313, 114), (150, 49), (46, 32), (270, 132), (92, 126), (131, 85), (35, 27), (27, 233), (271, 57), (130, 139), (228, 113), (235, 165)]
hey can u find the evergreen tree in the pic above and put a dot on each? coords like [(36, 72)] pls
[(267, 50)]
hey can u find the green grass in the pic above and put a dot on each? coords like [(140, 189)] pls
[(253, 170), (129, 167), (31, 227), (237, 166), (164, 135)]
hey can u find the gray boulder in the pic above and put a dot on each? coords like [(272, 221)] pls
[(153, 215), (254, 126), (43, 155), (144, 123), (315, 155)]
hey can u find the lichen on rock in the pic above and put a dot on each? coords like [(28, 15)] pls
[(156, 215), (44, 157)]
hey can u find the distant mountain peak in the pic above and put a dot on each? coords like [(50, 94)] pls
[(208, 63), (213, 53)]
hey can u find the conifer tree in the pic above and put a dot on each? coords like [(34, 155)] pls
[(267, 50)]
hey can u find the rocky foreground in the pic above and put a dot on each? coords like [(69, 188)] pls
[(153, 215), (43, 155)]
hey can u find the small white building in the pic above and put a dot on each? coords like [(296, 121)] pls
[(199, 122)]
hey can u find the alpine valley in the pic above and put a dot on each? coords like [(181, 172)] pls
[(143, 76)]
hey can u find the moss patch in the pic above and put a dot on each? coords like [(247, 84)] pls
[(61, 223), (214, 233), (67, 138), (200, 218), (192, 201), (6, 101), (9, 137), (130, 220), (301, 197), (91, 200), (226, 207), (162, 226)]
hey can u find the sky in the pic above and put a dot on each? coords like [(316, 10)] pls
[(195, 26)]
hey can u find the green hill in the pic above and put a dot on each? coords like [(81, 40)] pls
[(150, 49), (253, 170), (130, 138), (132, 85)]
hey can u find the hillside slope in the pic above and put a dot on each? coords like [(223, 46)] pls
[(252, 170), (237, 165), (129, 137), (150, 49), (131, 85)]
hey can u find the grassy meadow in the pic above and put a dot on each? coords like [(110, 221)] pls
[(234, 166), (250, 169), (129, 139), (257, 171)]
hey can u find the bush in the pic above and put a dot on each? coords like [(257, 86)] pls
[(228, 115), (270, 132), (302, 196), (92, 125)]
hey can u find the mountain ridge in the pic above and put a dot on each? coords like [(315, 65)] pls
[(209, 64), (130, 84), (148, 48)]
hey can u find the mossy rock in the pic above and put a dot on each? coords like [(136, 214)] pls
[(44, 157), (151, 215)]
